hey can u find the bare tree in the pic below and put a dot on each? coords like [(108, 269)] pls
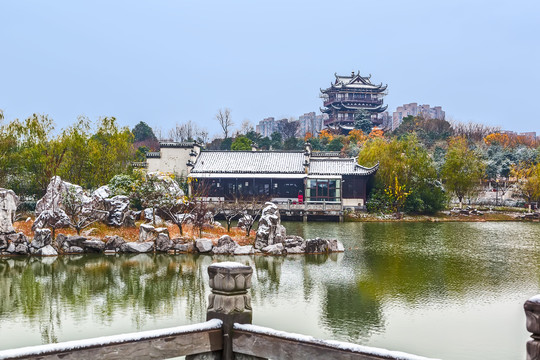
[(473, 131), (224, 118), (80, 214), (246, 127), (230, 210), (288, 128)]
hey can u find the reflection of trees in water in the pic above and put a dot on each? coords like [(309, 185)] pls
[(45, 289), (348, 311), (268, 273), (422, 262)]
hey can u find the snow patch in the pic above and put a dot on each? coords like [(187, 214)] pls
[(339, 345), (228, 265)]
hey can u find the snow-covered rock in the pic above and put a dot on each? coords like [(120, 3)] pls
[(149, 233), (335, 245), (225, 245), (47, 250), (75, 250), (119, 214), (270, 230), (94, 245), (149, 217), (69, 241), (138, 247), (11, 248), (42, 237), (244, 250), (316, 246), (114, 243), (275, 249), (8, 206), (56, 218), (204, 245), (163, 243), (184, 247), (21, 249)]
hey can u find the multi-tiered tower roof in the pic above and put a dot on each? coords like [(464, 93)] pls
[(349, 94)]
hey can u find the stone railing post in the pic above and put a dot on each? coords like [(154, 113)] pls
[(229, 301), (532, 314)]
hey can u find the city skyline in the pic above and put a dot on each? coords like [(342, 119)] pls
[(170, 62)]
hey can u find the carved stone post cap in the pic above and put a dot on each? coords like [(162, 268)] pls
[(532, 313), (230, 277)]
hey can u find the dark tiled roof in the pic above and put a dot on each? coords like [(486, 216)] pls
[(155, 155), (175, 144)]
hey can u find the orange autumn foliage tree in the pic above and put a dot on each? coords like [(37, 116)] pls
[(497, 139), (376, 133), (308, 136), (326, 135), (357, 136)]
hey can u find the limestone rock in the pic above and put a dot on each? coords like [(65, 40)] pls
[(244, 250), (317, 245), (204, 245), (3, 242), (74, 240), (75, 250), (296, 250), (335, 246), (11, 248), (21, 249), (47, 250), (149, 233), (149, 217), (119, 214), (54, 218), (93, 245), (42, 238), (293, 241), (52, 202), (184, 247), (270, 230), (163, 243), (8, 207), (225, 245), (275, 249), (114, 243), (60, 239), (138, 247)]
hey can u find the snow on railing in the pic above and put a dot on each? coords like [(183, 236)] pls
[(77, 345)]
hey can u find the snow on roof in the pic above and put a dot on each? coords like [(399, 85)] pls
[(250, 162), (385, 354), (347, 166)]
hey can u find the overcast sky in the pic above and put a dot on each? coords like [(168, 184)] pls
[(165, 62)]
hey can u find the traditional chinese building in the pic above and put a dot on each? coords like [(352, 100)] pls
[(319, 179), (349, 94)]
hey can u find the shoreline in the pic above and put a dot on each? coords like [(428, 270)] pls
[(441, 217)]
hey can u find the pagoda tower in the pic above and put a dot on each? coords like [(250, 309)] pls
[(349, 94)]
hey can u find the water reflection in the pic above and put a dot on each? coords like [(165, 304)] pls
[(391, 274)]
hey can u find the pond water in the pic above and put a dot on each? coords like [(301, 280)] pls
[(444, 290)]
